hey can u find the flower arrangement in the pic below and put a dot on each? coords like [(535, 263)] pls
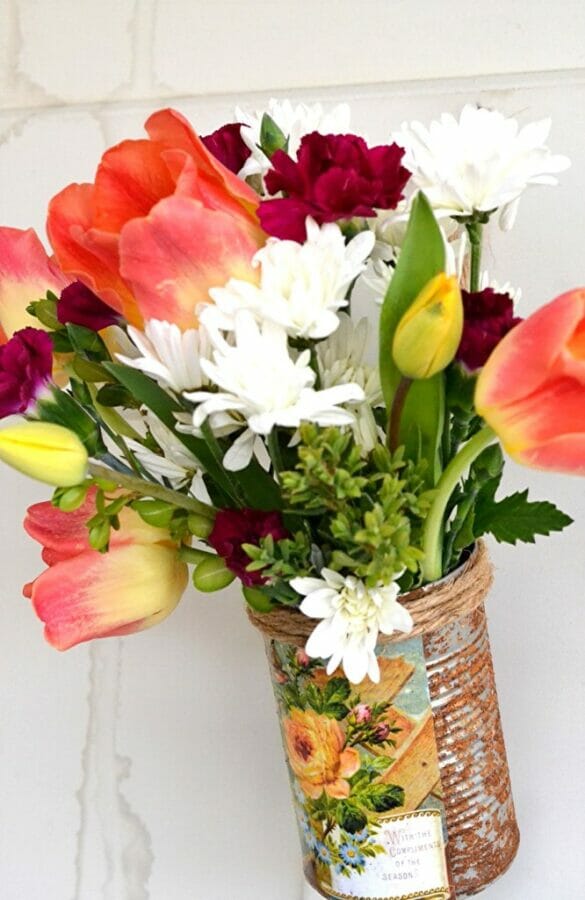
[(193, 383)]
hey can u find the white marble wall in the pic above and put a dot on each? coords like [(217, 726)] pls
[(150, 768)]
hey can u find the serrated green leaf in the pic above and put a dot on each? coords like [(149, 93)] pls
[(515, 518)]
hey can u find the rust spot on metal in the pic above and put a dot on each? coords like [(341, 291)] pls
[(481, 821)]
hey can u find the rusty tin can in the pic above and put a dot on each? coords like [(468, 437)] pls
[(477, 794)]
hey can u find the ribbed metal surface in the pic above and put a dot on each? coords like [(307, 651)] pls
[(481, 822)]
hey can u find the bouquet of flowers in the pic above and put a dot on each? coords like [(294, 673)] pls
[(194, 384)]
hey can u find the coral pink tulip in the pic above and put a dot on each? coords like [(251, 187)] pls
[(26, 274), (532, 388), (163, 222), (85, 594)]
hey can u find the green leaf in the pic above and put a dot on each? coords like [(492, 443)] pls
[(45, 311), (421, 258), (61, 408), (84, 340), (337, 690), (157, 513), (113, 395), (383, 797), (337, 711), (350, 817), (515, 518)]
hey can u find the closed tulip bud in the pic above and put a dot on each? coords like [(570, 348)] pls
[(47, 452), (429, 332)]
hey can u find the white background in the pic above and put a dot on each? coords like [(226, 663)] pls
[(150, 768)]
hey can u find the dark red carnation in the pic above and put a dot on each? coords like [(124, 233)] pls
[(78, 305), (488, 316), (234, 527), (227, 145), (335, 177), (26, 362)]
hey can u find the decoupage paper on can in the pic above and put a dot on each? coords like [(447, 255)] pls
[(365, 775)]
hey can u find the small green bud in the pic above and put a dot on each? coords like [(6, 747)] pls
[(200, 526), (71, 498), (157, 513), (212, 575), (99, 535), (272, 138)]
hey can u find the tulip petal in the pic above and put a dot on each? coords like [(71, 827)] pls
[(87, 253), (173, 256), (131, 178), (523, 360), (65, 534), (101, 595), (170, 129), (26, 274), (50, 453)]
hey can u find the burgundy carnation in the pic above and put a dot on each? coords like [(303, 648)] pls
[(26, 362), (335, 177), (78, 305), (488, 316), (234, 527), (227, 146)]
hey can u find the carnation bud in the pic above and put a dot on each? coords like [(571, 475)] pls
[(429, 332)]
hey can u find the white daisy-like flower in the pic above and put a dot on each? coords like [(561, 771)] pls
[(171, 356), (352, 615), (265, 387), (507, 288), (295, 122), (341, 361), (481, 162), (302, 286)]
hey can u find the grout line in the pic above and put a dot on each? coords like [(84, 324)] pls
[(459, 84)]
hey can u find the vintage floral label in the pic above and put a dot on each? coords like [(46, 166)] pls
[(365, 775)]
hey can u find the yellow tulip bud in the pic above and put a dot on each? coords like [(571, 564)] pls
[(44, 451), (429, 332)]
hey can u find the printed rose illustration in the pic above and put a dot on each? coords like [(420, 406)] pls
[(315, 746)]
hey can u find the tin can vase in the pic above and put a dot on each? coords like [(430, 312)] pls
[(401, 788)]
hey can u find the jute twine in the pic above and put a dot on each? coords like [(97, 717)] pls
[(431, 607)]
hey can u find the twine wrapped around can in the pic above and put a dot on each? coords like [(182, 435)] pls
[(450, 617)]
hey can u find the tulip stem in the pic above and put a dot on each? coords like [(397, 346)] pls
[(475, 232), (149, 489), (432, 567), (396, 410)]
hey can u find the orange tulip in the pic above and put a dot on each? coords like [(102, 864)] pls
[(85, 594), (162, 223), (26, 274), (532, 388)]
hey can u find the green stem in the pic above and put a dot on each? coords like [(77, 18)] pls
[(149, 489), (432, 567), (274, 451), (475, 232), (396, 412)]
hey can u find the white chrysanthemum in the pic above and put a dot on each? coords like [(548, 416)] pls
[(479, 163), (302, 286), (514, 292), (262, 384), (294, 122), (341, 361), (352, 615), (169, 355)]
